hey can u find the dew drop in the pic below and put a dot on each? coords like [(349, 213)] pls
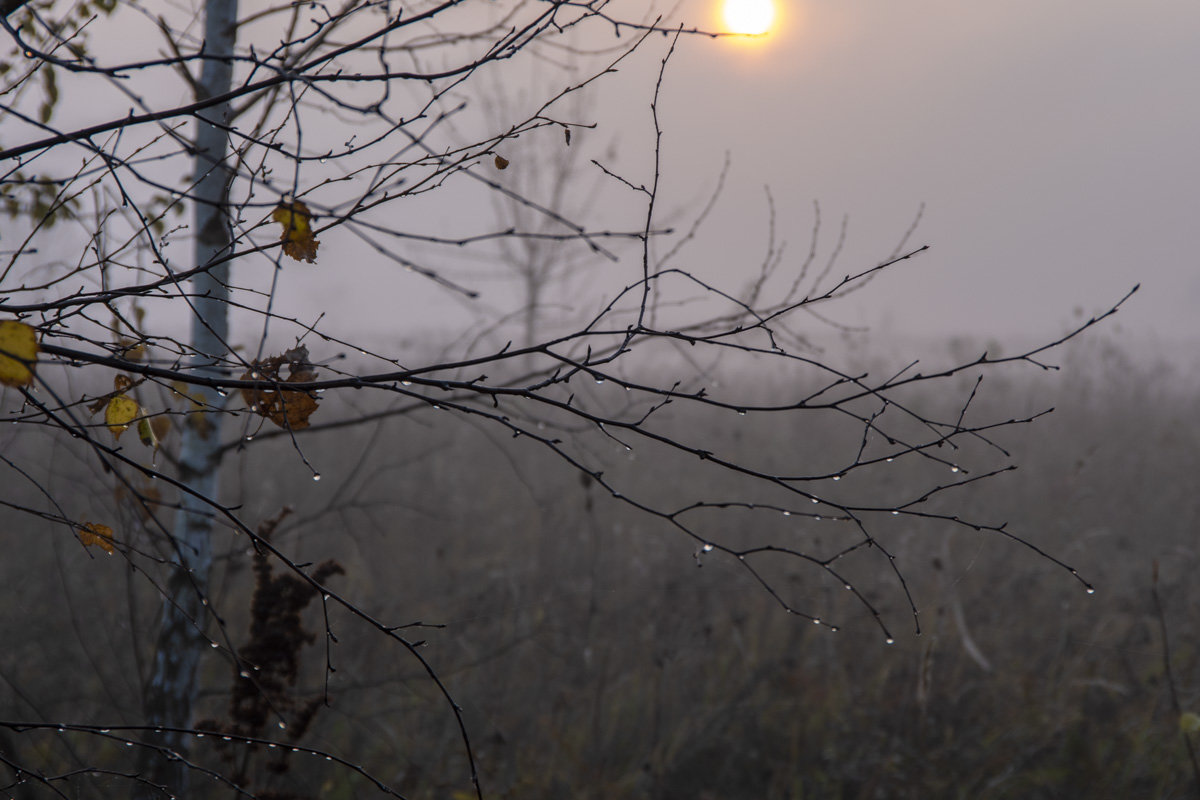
[(889, 640), (707, 548), (815, 500), (954, 469), (849, 588), (890, 460), (787, 513), (29, 54), (282, 724), (741, 412), (406, 383), (316, 476), (895, 513), (1091, 590), (213, 644), (250, 437), (325, 596), (816, 621), (599, 379), (323, 159)]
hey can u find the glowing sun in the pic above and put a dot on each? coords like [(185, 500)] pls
[(749, 16)]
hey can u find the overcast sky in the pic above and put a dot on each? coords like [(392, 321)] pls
[(1055, 145)]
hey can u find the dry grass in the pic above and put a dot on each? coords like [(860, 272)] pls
[(595, 660)]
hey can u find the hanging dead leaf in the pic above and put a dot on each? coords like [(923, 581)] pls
[(287, 408), (502, 162), (297, 237), (146, 433), (131, 349), (120, 413), (18, 352), (93, 533)]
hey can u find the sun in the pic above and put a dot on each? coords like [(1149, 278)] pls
[(749, 16)]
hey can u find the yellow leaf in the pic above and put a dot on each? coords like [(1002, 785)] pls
[(1189, 722), (120, 414), (94, 533), (18, 351), (297, 237), (501, 162)]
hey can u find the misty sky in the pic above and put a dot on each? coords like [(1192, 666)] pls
[(1053, 144), (1056, 146)]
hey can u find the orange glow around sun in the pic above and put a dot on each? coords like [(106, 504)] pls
[(752, 17)]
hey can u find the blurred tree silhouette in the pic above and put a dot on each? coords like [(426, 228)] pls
[(319, 137)]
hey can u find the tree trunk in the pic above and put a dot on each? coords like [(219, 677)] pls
[(171, 690)]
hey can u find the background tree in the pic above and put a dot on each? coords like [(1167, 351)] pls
[(93, 296)]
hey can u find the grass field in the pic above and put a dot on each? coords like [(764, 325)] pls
[(593, 658)]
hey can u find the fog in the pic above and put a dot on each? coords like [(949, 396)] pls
[(597, 652), (598, 649)]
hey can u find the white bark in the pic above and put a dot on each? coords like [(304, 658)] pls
[(171, 690)]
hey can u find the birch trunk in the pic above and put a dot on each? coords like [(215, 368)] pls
[(171, 690)]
